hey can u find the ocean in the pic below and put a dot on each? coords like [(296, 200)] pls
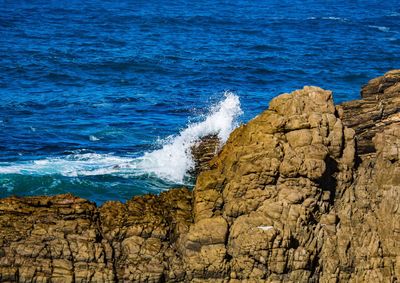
[(104, 99)]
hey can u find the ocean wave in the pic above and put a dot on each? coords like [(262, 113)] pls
[(334, 19), (171, 162), (93, 138), (329, 18), (380, 28), (174, 160), (394, 14), (73, 165)]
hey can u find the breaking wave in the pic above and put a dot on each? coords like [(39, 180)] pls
[(171, 162)]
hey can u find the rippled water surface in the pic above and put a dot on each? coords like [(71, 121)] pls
[(103, 99)]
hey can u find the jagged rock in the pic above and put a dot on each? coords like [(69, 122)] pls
[(365, 247), (274, 172), (287, 199), (379, 108), (67, 239), (142, 235), (203, 151), (55, 238)]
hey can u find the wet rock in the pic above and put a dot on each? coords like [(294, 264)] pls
[(203, 151)]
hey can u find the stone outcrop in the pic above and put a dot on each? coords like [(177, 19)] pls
[(365, 246), (203, 151), (67, 239), (304, 192), (270, 192), (378, 108)]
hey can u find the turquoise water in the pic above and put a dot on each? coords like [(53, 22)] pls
[(103, 99)]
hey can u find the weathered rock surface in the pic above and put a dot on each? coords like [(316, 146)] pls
[(304, 192), (203, 151), (378, 108), (67, 239), (270, 190)]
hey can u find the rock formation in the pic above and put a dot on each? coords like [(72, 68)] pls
[(304, 192), (203, 151), (378, 108)]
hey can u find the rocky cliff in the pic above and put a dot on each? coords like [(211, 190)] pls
[(304, 192)]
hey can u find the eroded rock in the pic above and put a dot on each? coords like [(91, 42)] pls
[(203, 151), (304, 192), (275, 172), (55, 238), (68, 239), (379, 108)]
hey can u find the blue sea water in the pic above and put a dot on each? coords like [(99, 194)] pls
[(104, 98)]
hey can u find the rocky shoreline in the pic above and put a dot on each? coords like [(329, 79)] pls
[(305, 192)]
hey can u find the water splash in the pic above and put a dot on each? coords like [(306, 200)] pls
[(171, 162), (174, 159)]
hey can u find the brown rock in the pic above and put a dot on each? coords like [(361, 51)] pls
[(379, 108), (67, 239), (203, 151)]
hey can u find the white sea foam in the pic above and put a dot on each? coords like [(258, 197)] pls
[(329, 19), (93, 138), (335, 19), (171, 162), (381, 28), (72, 165)]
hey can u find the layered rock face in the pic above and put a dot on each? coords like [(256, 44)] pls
[(378, 108), (203, 151), (302, 193)]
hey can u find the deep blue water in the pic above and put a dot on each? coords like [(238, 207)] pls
[(85, 87)]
